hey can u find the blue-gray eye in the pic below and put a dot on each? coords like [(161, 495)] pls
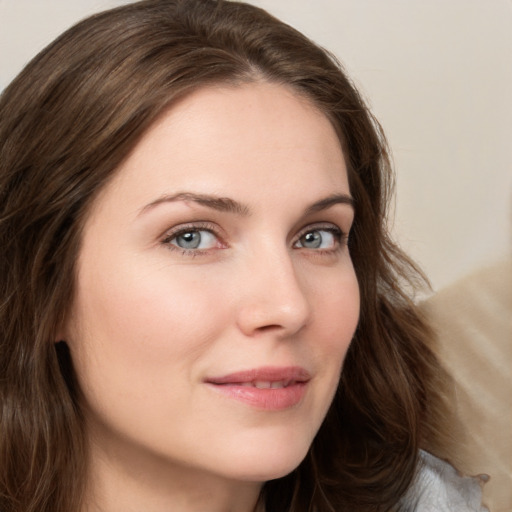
[(317, 239), (194, 239)]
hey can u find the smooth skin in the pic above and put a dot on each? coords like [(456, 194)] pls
[(219, 246)]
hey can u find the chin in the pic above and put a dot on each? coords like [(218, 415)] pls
[(270, 461)]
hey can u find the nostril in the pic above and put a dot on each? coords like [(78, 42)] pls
[(267, 328)]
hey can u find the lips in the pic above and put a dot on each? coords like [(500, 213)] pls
[(268, 388)]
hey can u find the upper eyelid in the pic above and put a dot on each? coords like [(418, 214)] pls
[(173, 232), (327, 226)]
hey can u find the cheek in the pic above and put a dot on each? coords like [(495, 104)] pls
[(336, 315), (339, 321), (337, 309), (144, 323)]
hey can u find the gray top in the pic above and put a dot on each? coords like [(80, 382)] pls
[(439, 488)]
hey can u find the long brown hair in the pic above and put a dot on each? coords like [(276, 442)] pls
[(66, 123)]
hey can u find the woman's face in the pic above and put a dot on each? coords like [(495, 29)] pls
[(215, 297)]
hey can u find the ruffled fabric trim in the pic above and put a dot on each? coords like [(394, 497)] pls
[(439, 488)]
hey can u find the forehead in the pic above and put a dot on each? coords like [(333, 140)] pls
[(237, 140)]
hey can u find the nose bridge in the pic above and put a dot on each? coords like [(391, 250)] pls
[(274, 297)]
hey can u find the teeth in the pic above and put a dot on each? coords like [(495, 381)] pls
[(279, 384), (260, 384)]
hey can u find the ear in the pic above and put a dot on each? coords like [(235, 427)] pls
[(62, 331), (67, 326)]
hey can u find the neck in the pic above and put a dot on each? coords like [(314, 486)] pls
[(131, 482)]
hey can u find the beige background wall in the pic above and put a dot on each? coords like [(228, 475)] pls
[(438, 74)]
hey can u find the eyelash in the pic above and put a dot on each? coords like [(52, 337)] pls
[(341, 238)]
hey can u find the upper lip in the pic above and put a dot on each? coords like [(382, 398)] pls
[(264, 374)]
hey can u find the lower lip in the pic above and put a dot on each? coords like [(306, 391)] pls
[(269, 399)]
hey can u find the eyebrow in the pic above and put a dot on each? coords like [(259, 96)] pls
[(226, 204), (222, 204), (329, 201)]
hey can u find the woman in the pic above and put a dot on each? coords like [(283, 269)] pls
[(186, 322)]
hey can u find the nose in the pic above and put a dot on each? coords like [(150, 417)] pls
[(273, 298)]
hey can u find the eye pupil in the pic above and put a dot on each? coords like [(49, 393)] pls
[(189, 240), (312, 240)]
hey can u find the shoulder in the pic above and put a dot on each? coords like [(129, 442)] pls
[(439, 488)]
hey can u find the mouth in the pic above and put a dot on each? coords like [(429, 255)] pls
[(267, 388), (262, 384)]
